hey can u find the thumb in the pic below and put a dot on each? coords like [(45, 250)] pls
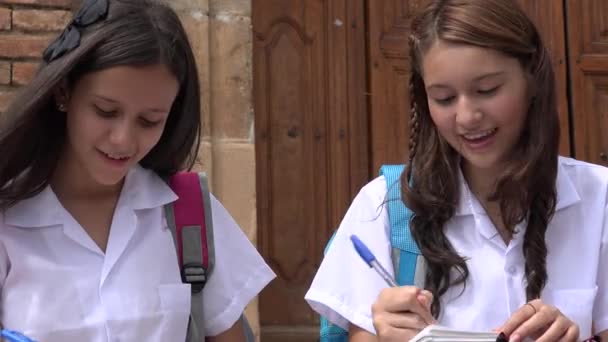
[(426, 298)]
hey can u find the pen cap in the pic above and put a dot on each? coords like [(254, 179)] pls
[(362, 249)]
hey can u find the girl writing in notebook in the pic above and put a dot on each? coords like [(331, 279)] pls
[(85, 253), (514, 236)]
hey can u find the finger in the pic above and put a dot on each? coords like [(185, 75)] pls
[(572, 334), (389, 333), (405, 320), (407, 299), (397, 299), (518, 318), (555, 332), (428, 295), (426, 300), (536, 323)]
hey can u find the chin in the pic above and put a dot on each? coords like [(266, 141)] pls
[(483, 162), (109, 180)]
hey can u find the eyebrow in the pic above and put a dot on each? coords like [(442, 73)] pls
[(153, 110), (476, 79)]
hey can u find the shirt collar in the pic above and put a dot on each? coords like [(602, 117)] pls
[(566, 193), (144, 190)]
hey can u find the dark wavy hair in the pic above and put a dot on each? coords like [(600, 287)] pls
[(135, 33), (526, 188)]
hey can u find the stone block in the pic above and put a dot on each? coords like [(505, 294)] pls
[(5, 73), (54, 3), (40, 20), (23, 72), (6, 96), (230, 46), (5, 18), (196, 24), (23, 45), (234, 182), (237, 7)]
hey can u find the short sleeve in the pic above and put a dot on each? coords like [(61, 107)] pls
[(239, 273), (344, 288), (600, 311), (4, 265)]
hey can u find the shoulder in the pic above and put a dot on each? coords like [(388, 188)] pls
[(589, 181), (330, 294), (579, 168), (374, 192)]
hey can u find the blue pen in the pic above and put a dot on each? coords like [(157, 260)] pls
[(14, 336), (370, 259)]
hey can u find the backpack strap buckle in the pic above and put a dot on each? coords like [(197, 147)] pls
[(194, 274)]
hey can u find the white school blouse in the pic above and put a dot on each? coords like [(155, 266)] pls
[(58, 286), (344, 287)]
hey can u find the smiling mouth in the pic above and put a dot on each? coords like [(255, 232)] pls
[(117, 157), (479, 136)]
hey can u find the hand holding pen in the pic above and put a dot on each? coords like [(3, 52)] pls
[(400, 312)]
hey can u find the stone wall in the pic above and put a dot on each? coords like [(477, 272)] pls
[(220, 31)]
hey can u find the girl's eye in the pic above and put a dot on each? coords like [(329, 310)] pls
[(488, 91), (444, 101), (148, 123), (105, 113)]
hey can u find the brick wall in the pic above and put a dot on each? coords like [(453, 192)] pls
[(26, 27)]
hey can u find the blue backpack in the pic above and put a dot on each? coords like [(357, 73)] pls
[(408, 263)]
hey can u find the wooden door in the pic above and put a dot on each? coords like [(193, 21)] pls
[(311, 144), (549, 17), (587, 27), (389, 22)]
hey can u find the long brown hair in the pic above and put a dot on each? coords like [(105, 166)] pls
[(526, 189), (135, 33)]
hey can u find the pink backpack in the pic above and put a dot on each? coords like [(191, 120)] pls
[(190, 221)]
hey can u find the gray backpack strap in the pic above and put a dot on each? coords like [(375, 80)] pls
[(191, 225), (249, 336), (194, 244)]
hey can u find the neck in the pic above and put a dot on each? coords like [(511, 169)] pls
[(481, 181), (71, 181)]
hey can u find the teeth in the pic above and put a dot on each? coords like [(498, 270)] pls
[(480, 134), (115, 156)]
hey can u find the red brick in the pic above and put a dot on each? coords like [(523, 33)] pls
[(23, 72), (5, 73), (23, 45), (55, 3), (40, 20), (5, 18), (6, 96)]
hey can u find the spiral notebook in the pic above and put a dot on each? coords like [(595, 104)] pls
[(437, 333)]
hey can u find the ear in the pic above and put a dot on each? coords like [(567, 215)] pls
[(61, 94)]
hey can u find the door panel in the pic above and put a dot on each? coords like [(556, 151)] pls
[(588, 36), (549, 17), (311, 144)]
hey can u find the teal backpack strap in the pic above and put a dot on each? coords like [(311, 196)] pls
[(408, 262), (190, 221)]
